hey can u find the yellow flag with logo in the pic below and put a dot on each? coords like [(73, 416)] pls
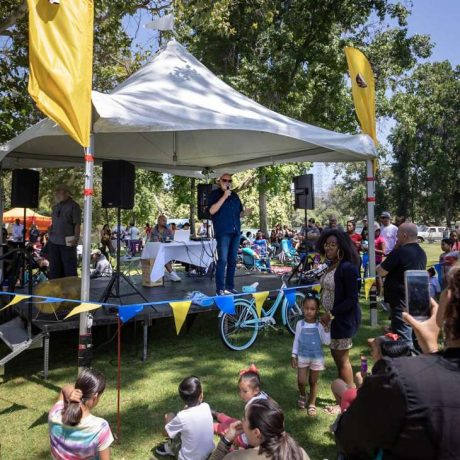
[(61, 61), (363, 89)]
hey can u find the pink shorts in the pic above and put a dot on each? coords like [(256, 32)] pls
[(313, 364), (348, 397)]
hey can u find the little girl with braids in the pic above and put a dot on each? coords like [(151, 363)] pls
[(249, 386)]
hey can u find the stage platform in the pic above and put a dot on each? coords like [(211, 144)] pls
[(170, 291), (46, 324)]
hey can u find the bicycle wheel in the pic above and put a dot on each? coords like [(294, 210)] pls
[(239, 331), (292, 314)]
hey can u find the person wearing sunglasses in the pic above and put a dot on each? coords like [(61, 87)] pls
[(226, 211), (339, 298)]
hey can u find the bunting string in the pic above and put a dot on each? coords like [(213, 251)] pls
[(179, 307)]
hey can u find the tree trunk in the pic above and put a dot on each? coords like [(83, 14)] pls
[(192, 206), (263, 214)]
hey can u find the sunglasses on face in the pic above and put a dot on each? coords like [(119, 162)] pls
[(330, 245), (227, 180)]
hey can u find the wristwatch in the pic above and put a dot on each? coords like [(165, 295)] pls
[(226, 442)]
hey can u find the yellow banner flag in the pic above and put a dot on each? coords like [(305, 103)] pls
[(82, 308), (16, 299), (260, 298), (61, 63), (180, 311), (368, 283), (363, 88)]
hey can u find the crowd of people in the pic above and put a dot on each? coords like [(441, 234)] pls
[(405, 408)]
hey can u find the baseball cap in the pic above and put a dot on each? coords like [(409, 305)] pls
[(96, 252), (385, 214)]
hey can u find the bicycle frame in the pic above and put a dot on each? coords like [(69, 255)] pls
[(270, 313)]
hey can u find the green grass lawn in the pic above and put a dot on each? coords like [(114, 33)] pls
[(150, 389)]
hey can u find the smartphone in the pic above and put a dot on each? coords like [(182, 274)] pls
[(417, 285)]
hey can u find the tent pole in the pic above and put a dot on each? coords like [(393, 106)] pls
[(85, 338), (370, 222)]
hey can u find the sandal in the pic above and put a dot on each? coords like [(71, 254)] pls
[(302, 402), (311, 410), (333, 410)]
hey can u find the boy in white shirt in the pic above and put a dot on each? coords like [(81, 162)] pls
[(191, 430)]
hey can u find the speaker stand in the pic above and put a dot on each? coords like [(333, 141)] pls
[(112, 289), (302, 265)]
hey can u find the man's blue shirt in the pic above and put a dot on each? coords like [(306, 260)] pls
[(227, 219)]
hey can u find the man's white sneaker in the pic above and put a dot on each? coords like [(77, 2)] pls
[(164, 450), (173, 276)]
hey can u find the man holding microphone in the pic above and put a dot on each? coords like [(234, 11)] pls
[(226, 210)]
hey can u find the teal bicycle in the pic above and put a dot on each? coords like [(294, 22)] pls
[(239, 330)]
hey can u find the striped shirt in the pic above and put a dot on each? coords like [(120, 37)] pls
[(81, 442)]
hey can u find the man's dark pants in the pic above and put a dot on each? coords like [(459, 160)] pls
[(227, 253), (63, 260)]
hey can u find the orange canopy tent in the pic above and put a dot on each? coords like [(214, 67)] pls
[(32, 217)]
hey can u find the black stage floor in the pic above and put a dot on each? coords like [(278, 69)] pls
[(170, 291)]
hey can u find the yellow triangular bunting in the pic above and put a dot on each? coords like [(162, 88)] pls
[(368, 283), (260, 298), (180, 310), (82, 308), (16, 299)]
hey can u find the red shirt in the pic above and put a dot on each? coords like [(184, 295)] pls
[(356, 238), (379, 243)]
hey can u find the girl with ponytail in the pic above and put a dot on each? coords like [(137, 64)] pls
[(74, 432), (263, 425)]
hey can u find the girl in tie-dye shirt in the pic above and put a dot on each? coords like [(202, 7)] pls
[(76, 434)]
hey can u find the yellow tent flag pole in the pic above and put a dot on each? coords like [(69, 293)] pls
[(61, 63), (363, 89)]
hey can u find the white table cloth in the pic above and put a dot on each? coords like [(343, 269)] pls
[(199, 253)]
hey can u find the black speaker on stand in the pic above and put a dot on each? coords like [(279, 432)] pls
[(118, 192), (304, 198), (25, 185), (204, 193)]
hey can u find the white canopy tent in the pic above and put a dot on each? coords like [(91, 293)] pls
[(174, 115)]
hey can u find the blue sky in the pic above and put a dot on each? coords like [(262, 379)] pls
[(441, 20)]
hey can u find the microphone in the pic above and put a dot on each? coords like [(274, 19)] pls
[(228, 188)]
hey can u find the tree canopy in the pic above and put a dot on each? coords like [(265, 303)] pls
[(285, 54)]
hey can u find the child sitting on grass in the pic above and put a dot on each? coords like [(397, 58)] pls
[(74, 432), (190, 431), (307, 352), (389, 345), (249, 389)]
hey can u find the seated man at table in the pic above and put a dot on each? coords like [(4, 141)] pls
[(101, 266), (160, 234)]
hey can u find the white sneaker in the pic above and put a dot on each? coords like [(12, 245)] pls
[(173, 276), (164, 450)]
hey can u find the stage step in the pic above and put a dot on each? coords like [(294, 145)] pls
[(14, 334)]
